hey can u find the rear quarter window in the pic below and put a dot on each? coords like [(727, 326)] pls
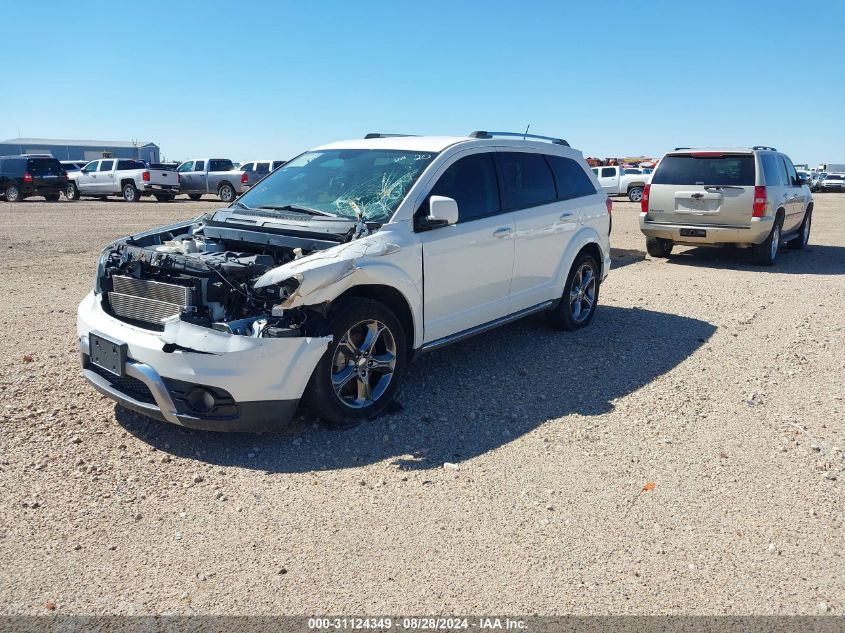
[(726, 169), (570, 179)]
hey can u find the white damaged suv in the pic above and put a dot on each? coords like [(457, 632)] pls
[(322, 282)]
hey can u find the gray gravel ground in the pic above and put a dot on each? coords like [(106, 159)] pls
[(718, 382)]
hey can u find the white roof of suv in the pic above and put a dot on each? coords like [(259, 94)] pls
[(439, 143)]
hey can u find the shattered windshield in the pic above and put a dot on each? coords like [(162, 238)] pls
[(342, 182)]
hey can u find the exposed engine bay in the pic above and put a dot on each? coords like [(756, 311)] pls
[(205, 273)]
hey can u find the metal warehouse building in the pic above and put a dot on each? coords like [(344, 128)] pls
[(65, 149)]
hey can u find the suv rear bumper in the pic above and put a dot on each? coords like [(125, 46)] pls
[(715, 234)]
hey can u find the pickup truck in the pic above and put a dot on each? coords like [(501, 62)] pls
[(255, 170), (129, 178), (212, 175), (616, 182)]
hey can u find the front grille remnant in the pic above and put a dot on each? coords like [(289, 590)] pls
[(147, 301)]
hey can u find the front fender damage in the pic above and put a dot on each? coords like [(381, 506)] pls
[(324, 275)]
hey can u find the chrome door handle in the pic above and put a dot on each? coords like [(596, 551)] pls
[(502, 232)]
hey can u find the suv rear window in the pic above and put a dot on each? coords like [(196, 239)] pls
[(726, 169), (44, 166)]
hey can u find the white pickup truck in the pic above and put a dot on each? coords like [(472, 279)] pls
[(616, 182), (122, 177)]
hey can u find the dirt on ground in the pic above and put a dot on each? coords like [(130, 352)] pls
[(683, 454)]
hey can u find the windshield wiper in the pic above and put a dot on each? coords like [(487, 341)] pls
[(239, 205), (300, 209)]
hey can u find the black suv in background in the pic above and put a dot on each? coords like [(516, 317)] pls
[(25, 176)]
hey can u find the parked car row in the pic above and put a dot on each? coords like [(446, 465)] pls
[(42, 175)]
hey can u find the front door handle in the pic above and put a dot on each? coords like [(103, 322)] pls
[(502, 232)]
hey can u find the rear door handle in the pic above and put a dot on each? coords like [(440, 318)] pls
[(502, 232), (566, 216)]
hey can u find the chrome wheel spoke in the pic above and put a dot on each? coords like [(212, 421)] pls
[(383, 363), (342, 378), (374, 330)]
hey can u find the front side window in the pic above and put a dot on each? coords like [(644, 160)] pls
[(248, 168), (528, 181), (92, 166), (106, 165), (262, 168), (713, 170), (472, 183), (570, 178), (189, 166), (277, 164), (790, 171), (344, 182)]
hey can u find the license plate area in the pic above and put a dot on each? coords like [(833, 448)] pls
[(693, 233), (107, 354)]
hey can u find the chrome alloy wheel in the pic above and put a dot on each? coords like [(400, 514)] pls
[(775, 241), (582, 295), (363, 364)]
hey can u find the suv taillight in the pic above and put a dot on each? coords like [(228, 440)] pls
[(146, 176), (27, 177), (244, 178), (644, 201), (759, 208)]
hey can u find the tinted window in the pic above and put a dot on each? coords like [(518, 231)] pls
[(219, 165), (130, 164), (570, 178), (528, 180), (608, 172), (727, 169), (249, 167), (773, 170), (790, 171), (262, 168), (472, 182), (199, 166), (106, 165), (44, 166), (277, 164)]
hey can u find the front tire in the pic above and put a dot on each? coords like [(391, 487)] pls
[(766, 254), (52, 197), (580, 296), (13, 193), (71, 192), (798, 242), (635, 194), (363, 367), (659, 247), (130, 193), (226, 193)]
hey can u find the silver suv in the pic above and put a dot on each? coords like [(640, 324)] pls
[(750, 197)]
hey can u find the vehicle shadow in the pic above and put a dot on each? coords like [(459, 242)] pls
[(621, 257), (815, 259), (467, 399)]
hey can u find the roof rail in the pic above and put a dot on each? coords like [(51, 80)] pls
[(380, 135), (680, 148), (485, 134), (764, 147)]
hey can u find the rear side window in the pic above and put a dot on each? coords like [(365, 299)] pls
[(277, 164), (199, 165), (44, 166), (528, 181), (773, 170), (472, 183), (106, 165), (608, 172), (725, 169), (219, 164), (570, 179)]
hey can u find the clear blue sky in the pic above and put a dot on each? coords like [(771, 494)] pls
[(270, 79)]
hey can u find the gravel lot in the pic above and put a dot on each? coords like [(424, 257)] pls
[(717, 382)]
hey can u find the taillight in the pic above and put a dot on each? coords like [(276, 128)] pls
[(27, 177), (244, 178), (146, 176), (609, 204), (760, 201), (644, 201)]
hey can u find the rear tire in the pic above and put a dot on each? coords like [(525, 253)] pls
[(659, 247), (635, 194), (53, 197), (766, 254), (226, 193), (798, 242), (71, 192), (163, 197), (195, 196), (363, 366), (13, 193), (580, 296), (130, 193)]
